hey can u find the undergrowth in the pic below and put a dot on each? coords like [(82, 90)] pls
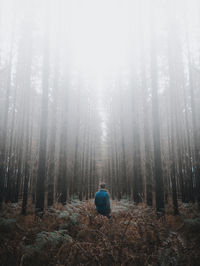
[(75, 235)]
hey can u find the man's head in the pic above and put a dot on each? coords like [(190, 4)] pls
[(102, 185)]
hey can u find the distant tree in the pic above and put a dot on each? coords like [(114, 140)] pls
[(158, 174), (52, 141), (27, 95), (41, 175)]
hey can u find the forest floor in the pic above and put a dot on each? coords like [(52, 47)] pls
[(75, 235)]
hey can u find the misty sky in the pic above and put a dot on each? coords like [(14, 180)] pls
[(100, 40)]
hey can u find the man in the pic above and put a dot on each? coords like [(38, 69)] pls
[(102, 201)]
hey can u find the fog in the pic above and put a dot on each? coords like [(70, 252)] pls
[(96, 91)]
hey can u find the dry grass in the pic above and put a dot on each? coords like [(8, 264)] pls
[(134, 236)]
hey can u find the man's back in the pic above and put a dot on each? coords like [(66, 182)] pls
[(102, 202)]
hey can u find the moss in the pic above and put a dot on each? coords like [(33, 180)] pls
[(119, 208), (63, 214), (74, 219), (192, 225), (48, 238), (7, 224)]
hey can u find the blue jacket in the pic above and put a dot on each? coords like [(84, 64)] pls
[(102, 202)]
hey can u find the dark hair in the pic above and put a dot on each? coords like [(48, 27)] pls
[(102, 185)]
